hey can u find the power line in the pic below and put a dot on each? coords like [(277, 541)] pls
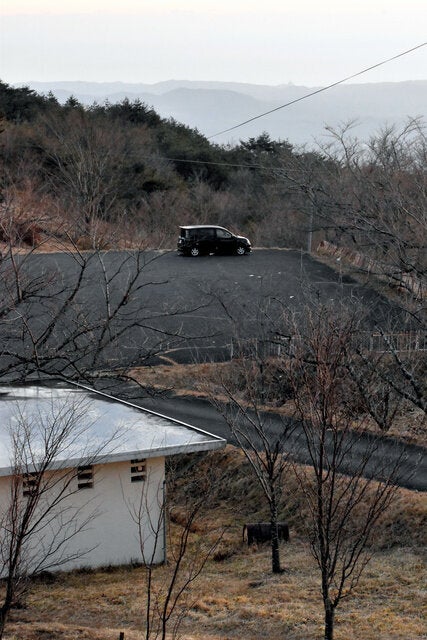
[(218, 164), (313, 93)]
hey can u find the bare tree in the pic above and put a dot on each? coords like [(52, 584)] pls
[(39, 520), (174, 527), (84, 160), (344, 502), (367, 201), (368, 195), (83, 315), (265, 448)]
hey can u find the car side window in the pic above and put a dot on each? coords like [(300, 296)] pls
[(222, 233), (208, 234)]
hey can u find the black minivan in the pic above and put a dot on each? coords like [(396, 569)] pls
[(203, 239)]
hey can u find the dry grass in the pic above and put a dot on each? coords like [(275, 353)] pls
[(237, 596), (56, 232), (234, 599)]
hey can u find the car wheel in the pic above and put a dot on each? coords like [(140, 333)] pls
[(240, 250), (194, 252)]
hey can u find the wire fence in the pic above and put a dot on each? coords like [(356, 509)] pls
[(402, 342)]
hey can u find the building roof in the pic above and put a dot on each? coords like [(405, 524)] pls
[(102, 428)]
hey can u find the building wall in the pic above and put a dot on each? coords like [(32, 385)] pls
[(116, 519)]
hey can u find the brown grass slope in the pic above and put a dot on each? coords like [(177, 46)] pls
[(237, 596)]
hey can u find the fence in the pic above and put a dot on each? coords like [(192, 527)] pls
[(398, 342), (405, 281), (402, 342)]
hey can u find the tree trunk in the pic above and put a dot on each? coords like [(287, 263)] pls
[(3, 617), (275, 553), (329, 620), (7, 601)]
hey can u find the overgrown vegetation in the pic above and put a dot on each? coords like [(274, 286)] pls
[(113, 176), (236, 594), (123, 165), (201, 380)]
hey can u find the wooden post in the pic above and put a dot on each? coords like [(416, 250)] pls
[(122, 635)]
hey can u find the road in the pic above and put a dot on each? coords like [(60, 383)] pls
[(383, 451)]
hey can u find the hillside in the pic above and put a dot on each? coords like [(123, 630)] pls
[(214, 106), (88, 179), (125, 166), (236, 595)]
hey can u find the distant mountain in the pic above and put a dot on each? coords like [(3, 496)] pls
[(214, 106)]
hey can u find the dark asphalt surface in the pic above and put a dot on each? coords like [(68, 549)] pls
[(383, 452), (208, 301), (192, 308)]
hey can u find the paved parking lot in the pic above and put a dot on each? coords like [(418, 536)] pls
[(205, 301), (209, 301), (240, 297)]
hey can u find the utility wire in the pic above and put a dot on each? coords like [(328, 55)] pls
[(313, 93), (218, 164)]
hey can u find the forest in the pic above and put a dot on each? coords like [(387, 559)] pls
[(111, 174)]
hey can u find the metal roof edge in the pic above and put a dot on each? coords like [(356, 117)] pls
[(150, 411), (110, 458)]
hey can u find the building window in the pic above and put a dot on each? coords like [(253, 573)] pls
[(85, 477), (137, 470)]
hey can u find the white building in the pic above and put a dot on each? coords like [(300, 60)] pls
[(103, 487)]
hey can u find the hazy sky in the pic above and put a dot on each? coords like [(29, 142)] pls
[(310, 42)]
